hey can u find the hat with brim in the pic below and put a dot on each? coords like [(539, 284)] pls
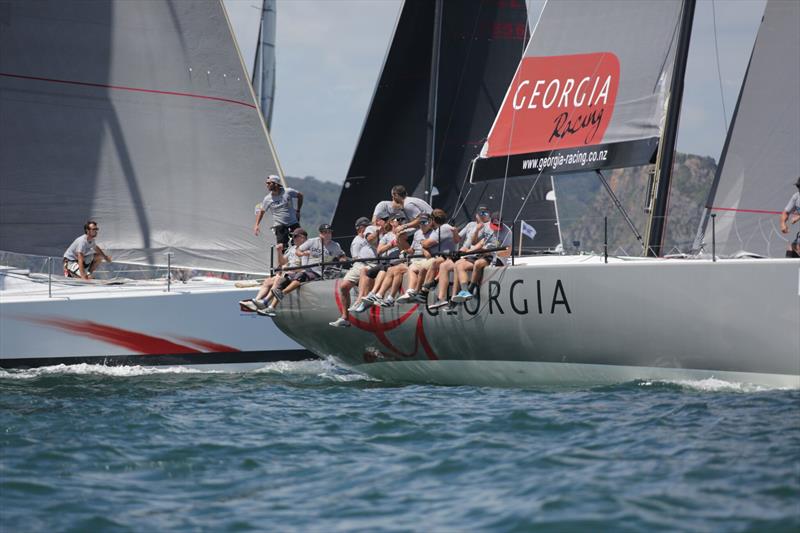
[(325, 227), (299, 231), (362, 221), (272, 178)]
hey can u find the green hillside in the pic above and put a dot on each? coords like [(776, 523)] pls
[(583, 202), (319, 201)]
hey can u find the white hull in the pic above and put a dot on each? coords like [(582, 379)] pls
[(594, 323), (197, 324)]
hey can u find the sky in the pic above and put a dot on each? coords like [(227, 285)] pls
[(330, 53)]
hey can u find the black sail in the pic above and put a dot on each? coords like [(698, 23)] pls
[(481, 44), (391, 149)]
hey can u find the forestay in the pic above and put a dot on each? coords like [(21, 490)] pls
[(761, 161), (589, 93), (139, 115)]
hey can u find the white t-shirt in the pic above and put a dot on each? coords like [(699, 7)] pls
[(314, 246), (385, 209), (419, 237), (389, 238), (81, 245), (794, 204), (444, 238), (468, 231), (281, 207), (414, 207), (293, 260)]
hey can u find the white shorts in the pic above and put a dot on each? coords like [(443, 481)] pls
[(73, 269), (354, 274)]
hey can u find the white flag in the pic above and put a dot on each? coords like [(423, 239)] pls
[(527, 230)]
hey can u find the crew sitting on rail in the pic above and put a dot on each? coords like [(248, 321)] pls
[(474, 237), (388, 254), (84, 255), (286, 259), (360, 248), (500, 238), (410, 206), (318, 250), (374, 231), (393, 282), (437, 247)]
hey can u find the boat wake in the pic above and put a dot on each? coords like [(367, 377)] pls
[(100, 370), (710, 385), (323, 369)]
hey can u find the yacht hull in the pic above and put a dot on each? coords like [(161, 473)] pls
[(201, 328), (565, 322)]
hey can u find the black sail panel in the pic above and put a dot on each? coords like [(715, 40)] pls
[(481, 44), (391, 149)]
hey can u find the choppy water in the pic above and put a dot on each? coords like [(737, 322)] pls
[(307, 446)]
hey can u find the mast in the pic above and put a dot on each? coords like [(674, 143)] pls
[(661, 185), (430, 148)]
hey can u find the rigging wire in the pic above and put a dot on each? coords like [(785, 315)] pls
[(719, 68)]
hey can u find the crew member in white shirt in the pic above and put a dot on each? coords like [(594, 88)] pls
[(84, 255)]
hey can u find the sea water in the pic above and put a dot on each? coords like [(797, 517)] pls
[(311, 447)]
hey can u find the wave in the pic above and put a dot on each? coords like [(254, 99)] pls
[(711, 385), (324, 369)]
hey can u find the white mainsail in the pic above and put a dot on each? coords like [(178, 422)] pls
[(139, 115), (761, 161)]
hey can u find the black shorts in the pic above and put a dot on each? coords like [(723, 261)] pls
[(304, 276), (282, 234), (373, 272)]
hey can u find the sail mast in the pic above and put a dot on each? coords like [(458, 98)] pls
[(661, 185), (430, 148)]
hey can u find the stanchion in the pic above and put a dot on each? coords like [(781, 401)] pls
[(169, 271), (513, 228), (272, 260), (714, 237), (605, 240), (49, 277)]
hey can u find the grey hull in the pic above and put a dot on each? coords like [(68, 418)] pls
[(572, 321)]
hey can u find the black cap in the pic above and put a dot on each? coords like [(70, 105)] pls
[(362, 221), (299, 231), (398, 216), (482, 208), (325, 227)]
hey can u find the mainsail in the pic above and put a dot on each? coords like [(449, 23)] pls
[(589, 93), (478, 46), (760, 161), (139, 115)]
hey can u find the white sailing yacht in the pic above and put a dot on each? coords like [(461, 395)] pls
[(140, 116), (606, 94)]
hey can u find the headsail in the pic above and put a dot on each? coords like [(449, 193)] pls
[(760, 161), (589, 92), (137, 114), (264, 65)]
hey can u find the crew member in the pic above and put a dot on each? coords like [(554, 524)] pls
[(286, 259), (792, 211), (84, 255), (285, 217)]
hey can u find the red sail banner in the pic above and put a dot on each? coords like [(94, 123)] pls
[(556, 102)]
